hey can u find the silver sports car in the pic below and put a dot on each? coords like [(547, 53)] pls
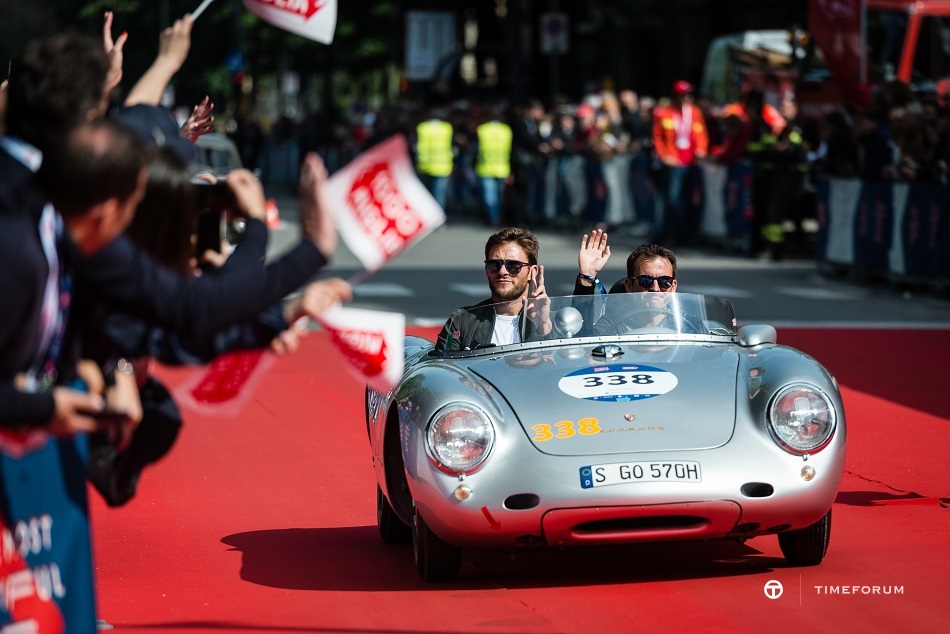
[(640, 417)]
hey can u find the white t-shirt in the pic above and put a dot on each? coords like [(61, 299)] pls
[(506, 330)]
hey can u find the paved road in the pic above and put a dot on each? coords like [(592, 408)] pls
[(443, 272)]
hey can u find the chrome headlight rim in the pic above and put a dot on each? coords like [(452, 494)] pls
[(439, 460), (784, 443)]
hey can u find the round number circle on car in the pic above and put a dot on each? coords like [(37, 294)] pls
[(619, 382)]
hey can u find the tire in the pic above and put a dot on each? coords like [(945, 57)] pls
[(807, 546), (369, 434), (392, 529), (436, 560)]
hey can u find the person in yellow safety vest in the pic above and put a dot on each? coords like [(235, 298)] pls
[(493, 163), (435, 155)]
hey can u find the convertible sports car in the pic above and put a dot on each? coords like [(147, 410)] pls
[(640, 417)]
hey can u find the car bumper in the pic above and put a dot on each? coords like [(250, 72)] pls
[(539, 502)]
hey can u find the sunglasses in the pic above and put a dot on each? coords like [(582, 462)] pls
[(512, 266), (646, 281)]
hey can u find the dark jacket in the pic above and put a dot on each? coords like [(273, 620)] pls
[(471, 327), (125, 279), (580, 289), (23, 274)]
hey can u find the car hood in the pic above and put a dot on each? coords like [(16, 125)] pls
[(650, 398)]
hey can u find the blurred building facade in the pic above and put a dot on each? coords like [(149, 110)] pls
[(559, 50)]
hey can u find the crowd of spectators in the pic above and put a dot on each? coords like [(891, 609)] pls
[(903, 137), (100, 216), (596, 165)]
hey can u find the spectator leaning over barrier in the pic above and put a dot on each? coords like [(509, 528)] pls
[(57, 84)]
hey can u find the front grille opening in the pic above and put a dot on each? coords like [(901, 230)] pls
[(640, 524), (521, 501), (757, 490)]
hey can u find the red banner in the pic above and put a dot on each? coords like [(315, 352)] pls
[(837, 27), (313, 19)]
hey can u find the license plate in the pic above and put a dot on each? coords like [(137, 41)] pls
[(601, 475)]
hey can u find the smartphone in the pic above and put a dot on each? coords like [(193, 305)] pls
[(210, 232), (109, 417), (215, 196)]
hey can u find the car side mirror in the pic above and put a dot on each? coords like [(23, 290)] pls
[(757, 334), (568, 322)]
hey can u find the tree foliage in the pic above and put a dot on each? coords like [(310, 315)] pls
[(368, 37)]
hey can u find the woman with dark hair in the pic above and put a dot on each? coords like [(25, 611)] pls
[(164, 221), (164, 227)]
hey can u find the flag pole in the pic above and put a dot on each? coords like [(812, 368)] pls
[(201, 9)]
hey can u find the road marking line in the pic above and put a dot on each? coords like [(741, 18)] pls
[(721, 291), (382, 290), (820, 293), (472, 290)]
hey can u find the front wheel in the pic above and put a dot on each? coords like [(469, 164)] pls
[(807, 546), (392, 529), (436, 560)]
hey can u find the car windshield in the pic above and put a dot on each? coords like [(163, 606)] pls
[(594, 318)]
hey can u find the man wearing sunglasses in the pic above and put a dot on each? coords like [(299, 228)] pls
[(518, 309), (651, 268)]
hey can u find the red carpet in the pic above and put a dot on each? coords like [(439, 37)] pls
[(264, 522)]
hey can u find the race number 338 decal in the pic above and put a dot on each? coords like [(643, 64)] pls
[(620, 382)]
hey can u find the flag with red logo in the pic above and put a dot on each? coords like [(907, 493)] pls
[(379, 204), (224, 386), (371, 342), (837, 26), (312, 19)]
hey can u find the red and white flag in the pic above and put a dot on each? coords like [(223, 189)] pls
[(371, 341), (312, 19), (224, 386), (379, 204)]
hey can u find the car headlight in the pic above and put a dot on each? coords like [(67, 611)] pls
[(460, 436), (801, 418)]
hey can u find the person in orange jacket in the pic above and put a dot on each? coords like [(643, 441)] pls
[(769, 113), (680, 140)]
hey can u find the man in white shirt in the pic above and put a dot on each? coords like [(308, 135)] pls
[(518, 308)]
